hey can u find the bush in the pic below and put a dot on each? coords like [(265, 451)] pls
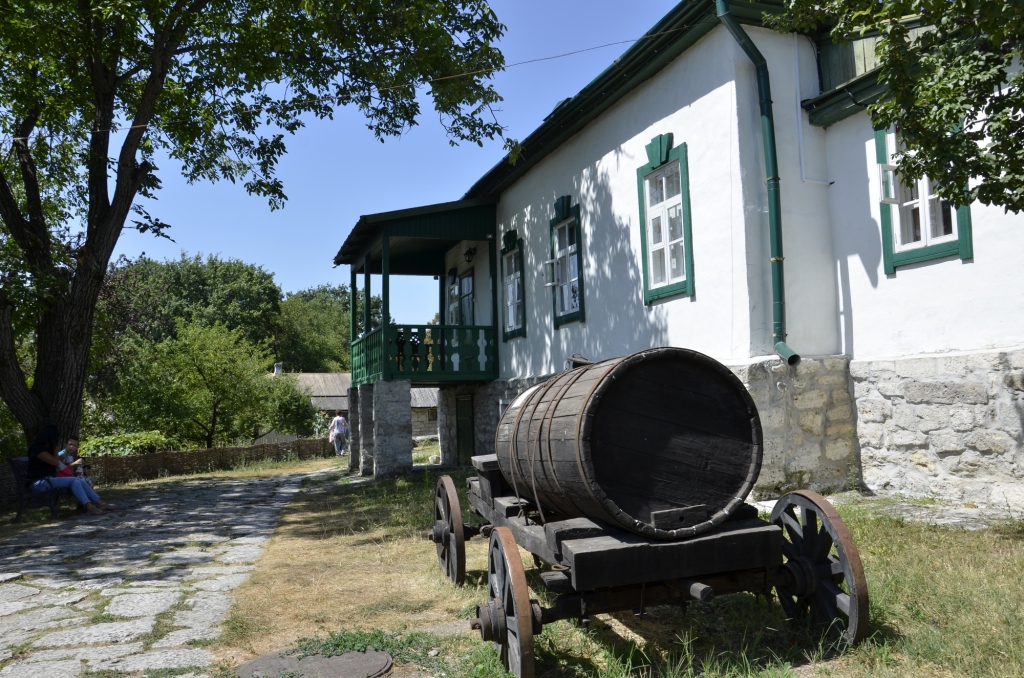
[(127, 444)]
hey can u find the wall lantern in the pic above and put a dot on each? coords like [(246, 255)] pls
[(470, 253)]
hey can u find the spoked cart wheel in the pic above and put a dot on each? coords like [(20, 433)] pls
[(507, 618), (827, 579), (448, 535)]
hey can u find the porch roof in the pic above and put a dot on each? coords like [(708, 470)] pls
[(419, 237)]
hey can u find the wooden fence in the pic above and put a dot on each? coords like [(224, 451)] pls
[(109, 470)]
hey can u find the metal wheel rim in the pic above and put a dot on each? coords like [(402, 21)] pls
[(799, 514), (506, 581), (451, 548)]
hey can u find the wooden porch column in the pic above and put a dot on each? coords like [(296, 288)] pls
[(385, 286), (366, 295), (352, 305)]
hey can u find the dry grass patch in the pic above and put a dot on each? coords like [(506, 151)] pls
[(351, 559)]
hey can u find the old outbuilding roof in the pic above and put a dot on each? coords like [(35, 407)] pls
[(329, 390)]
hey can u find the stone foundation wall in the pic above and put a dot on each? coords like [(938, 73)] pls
[(392, 427), (366, 430), (485, 418), (353, 430), (808, 423), (945, 426), (111, 470)]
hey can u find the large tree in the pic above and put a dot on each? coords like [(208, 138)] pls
[(954, 89), (92, 90)]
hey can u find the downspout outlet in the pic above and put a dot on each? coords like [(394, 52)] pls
[(791, 357)]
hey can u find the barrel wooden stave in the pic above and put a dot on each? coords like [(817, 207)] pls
[(615, 441)]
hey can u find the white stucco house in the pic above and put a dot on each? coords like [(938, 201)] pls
[(673, 202)]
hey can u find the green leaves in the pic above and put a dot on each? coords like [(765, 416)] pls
[(207, 385), (954, 91), (91, 93)]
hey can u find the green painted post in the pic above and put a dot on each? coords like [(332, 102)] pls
[(385, 293), (366, 295), (494, 273)]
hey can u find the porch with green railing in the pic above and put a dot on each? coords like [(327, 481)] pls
[(426, 354), (425, 241)]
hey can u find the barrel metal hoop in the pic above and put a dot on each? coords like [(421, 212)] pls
[(589, 400), (514, 458), (551, 408)]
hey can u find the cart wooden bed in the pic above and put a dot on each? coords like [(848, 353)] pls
[(804, 554)]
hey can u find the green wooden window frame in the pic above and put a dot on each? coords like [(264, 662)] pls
[(660, 152), (962, 247), (512, 244), (564, 210)]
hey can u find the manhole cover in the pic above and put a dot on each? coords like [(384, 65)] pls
[(369, 664)]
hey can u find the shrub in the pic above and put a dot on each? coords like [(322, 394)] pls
[(127, 444)]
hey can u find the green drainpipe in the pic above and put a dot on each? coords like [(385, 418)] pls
[(771, 168)]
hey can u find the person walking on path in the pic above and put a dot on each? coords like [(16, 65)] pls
[(40, 475), (338, 433)]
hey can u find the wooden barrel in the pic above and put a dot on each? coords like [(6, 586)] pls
[(665, 443)]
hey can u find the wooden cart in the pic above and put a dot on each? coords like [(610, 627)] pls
[(805, 554)]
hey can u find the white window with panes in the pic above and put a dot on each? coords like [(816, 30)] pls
[(513, 291), (920, 217), (566, 264), (664, 211)]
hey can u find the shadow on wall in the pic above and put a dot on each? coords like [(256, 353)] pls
[(857, 231), (617, 322)]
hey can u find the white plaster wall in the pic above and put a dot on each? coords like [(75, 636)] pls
[(481, 265), (932, 307), (707, 98), (693, 98), (806, 228)]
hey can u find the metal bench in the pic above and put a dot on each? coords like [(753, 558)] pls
[(27, 497)]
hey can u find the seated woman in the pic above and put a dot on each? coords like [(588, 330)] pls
[(42, 470)]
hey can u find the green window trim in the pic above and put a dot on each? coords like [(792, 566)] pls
[(512, 243), (563, 211), (962, 247), (660, 152)]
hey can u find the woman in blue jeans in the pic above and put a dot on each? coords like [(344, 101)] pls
[(42, 468)]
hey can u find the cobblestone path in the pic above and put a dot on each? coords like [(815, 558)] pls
[(138, 590)]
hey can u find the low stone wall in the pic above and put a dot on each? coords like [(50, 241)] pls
[(108, 470), (945, 426)]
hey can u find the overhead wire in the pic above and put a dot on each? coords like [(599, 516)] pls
[(336, 97)]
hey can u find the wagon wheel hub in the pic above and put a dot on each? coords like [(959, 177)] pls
[(803, 582), (492, 622)]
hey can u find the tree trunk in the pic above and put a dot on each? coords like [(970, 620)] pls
[(212, 429)]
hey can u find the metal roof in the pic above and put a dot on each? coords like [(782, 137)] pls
[(420, 236)]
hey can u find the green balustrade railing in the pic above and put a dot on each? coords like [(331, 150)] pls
[(426, 353)]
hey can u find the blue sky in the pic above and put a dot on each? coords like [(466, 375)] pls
[(335, 170)]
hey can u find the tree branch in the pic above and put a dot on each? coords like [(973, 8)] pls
[(13, 389), (31, 234)]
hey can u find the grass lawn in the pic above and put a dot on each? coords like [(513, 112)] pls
[(349, 567), (423, 451)]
